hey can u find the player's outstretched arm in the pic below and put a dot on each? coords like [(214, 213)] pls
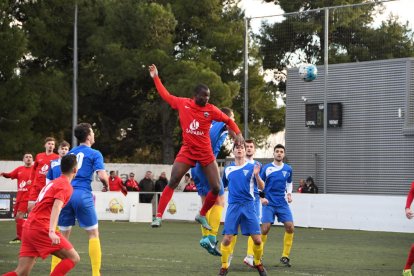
[(170, 99)]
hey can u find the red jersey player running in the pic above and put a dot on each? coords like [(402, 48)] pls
[(195, 116), (409, 214), (39, 170), (39, 238), (22, 174)]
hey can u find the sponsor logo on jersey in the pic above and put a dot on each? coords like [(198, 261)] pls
[(206, 114), (245, 172), (44, 169), (284, 173), (193, 128)]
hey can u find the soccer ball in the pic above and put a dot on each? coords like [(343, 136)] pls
[(308, 72)]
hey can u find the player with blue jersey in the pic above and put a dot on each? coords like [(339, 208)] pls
[(241, 178), (81, 205), (278, 191), (218, 134)]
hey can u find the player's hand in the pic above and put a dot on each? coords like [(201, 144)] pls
[(289, 198), (264, 201), (256, 169), (153, 71), (55, 238), (408, 213), (239, 140)]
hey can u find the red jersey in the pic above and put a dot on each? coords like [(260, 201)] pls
[(39, 217), (40, 167), (410, 196), (115, 183), (22, 174), (132, 184), (195, 120)]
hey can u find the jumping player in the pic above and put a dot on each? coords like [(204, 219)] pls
[(241, 177), (81, 205), (39, 170), (218, 134), (39, 238), (278, 185), (196, 116), (22, 174)]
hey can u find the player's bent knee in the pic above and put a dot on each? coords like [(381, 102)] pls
[(74, 256)]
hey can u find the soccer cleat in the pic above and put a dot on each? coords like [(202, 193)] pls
[(223, 271), (407, 272), (210, 247), (285, 261), (249, 261), (15, 241), (261, 269), (203, 221), (156, 222)]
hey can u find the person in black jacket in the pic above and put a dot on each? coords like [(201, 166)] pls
[(312, 188)]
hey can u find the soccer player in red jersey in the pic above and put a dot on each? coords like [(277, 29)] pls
[(39, 170), (195, 116), (22, 174), (409, 214), (39, 238)]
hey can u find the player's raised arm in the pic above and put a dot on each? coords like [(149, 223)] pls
[(170, 99)]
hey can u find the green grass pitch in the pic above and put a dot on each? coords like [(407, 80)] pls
[(173, 249)]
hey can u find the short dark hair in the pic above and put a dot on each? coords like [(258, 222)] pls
[(226, 110), (64, 144), (48, 139), (279, 146), (249, 141), (82, 131), (200, 88), (68, 163), (111, 172), (235, 145)]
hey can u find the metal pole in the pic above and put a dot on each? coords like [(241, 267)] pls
[(75, 77), (246, 78), (325, 101)]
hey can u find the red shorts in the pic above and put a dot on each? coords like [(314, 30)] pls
[(190, 156), (36, 243), (20, 206), (34, 192)]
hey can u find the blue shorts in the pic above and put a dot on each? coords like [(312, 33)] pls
[(243, 215), (201, 182), (80, 206), (282, 213)]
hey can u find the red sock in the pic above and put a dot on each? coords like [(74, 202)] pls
[(19, 227), (11, 273), (164, 199), (410, 259), (208, 203), (63, 267)]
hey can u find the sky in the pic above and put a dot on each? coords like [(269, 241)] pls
[(403, 8)]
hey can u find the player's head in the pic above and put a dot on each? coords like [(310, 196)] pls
[(228, 111), (28, 159), (201, 94), (50, 143), (63, 148), (68, 164), (239, 150), (84, 133), (279, 152), (250, 148)]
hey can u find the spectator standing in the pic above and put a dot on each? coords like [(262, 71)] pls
[(146, 185), (303, 188), (161, 183), (131, 184), (115, 183), (310, 185), (190, 187)]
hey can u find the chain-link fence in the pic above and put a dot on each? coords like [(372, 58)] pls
[(363, 142)]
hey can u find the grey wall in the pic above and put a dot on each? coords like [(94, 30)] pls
[(373, 151)]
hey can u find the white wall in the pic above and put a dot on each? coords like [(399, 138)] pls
[(358, 212)]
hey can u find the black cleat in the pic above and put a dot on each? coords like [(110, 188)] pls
[(261, 269), (223, 271), (285, 261)]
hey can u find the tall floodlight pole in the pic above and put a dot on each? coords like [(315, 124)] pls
[(325, 101), (246, 79), (75, 77)]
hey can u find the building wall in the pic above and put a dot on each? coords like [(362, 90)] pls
[(372, 153)]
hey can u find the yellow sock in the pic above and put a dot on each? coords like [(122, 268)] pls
[(233, 244), (95, 254), (214, 219), (225, 254), (258, 253), (55, 260), (264, 240), (250, 244), (204, 231), (287, 244)]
